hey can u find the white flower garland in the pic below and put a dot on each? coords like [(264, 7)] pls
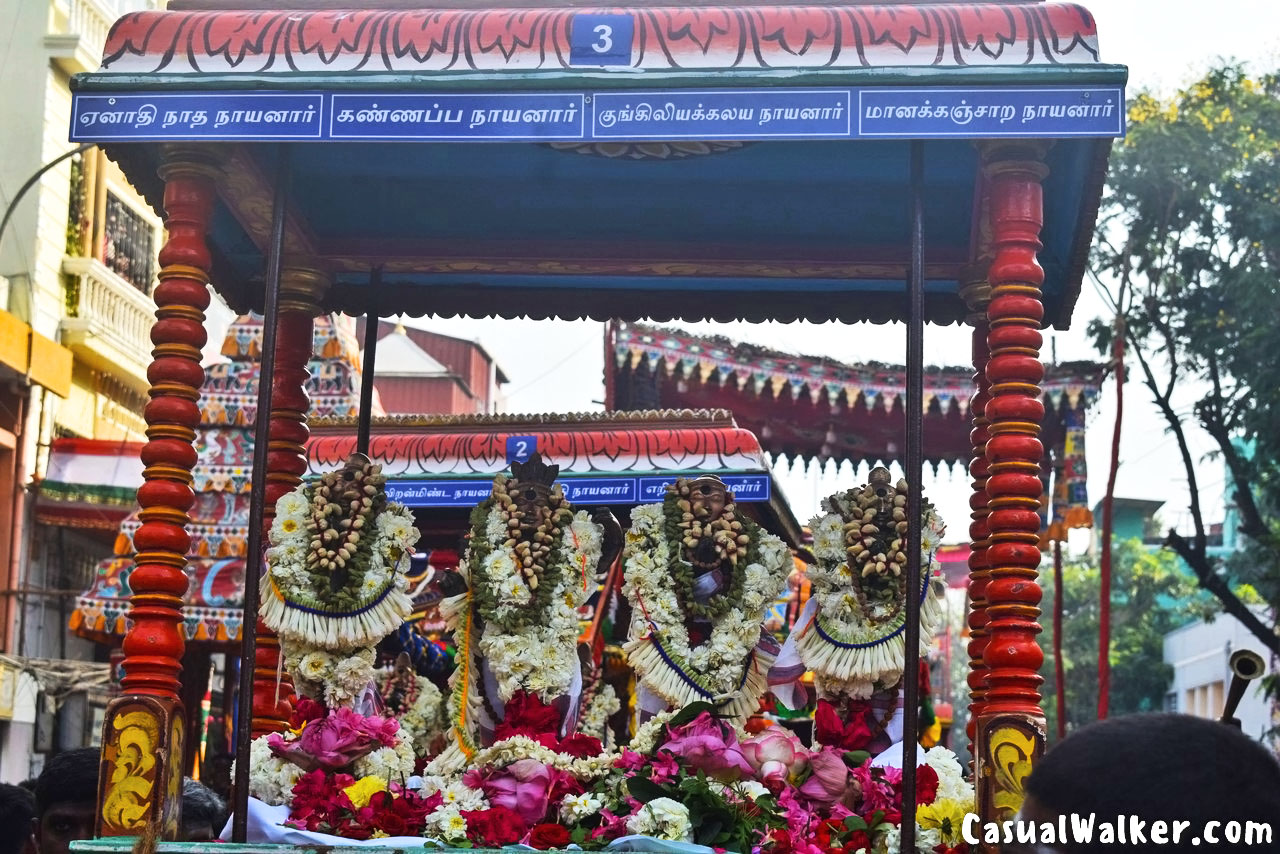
[(853, 653), (509, 750), (722, 669), (539, 657), (594, 720), (294, 607)]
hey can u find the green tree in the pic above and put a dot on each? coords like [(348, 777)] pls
[(1189, 250), (1150, 596)]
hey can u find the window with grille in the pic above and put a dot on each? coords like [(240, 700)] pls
[(129, 244)]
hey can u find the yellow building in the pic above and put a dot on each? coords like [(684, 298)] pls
[(77, 265)]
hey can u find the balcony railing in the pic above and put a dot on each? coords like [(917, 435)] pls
[(110, 323), (78, 29), (129, 244)]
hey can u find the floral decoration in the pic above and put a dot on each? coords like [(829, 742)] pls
[(726, 667)]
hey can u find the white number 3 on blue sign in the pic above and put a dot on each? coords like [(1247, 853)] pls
[(601, 39)]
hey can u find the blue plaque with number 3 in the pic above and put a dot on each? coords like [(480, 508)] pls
[(520, 448), (601, 39)]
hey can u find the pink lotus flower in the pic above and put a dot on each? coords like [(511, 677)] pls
[(708, 746), (521, 787), (830, 777), (336, 740), (775, 754)]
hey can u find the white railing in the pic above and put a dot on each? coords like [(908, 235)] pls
[(91, 20), (112, 319)]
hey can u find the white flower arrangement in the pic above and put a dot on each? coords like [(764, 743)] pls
[(425, 719), (509, 750), (335, 568), (395, 764), (854, 643), (271, 779), (662, 818), (447, 824), (952, 786), (594, 721), (648, 734), (338, 680), (574, 808), (722, 668), (537, 655), (528, 607)]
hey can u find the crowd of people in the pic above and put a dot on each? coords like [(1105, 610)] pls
[(46, 814)]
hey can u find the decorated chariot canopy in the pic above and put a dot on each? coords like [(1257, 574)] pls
[(810, 408), (650, 161), (854, 162)]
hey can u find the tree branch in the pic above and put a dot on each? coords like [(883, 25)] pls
[(1175, 427), (1215, 584)]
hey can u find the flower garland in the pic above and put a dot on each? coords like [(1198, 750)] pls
[(724, 668), (855, 643), (337, 560), (526, 597), (599, 703), (420, 708)]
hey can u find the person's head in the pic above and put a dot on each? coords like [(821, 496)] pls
[(17, 809), (66, 797), (203, 813), (1157, 767)]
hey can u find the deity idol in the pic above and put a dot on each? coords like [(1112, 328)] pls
[(700, 578), (531, 563), (850, 633)]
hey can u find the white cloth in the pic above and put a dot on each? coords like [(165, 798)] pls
[(791, 692), (266, 824)]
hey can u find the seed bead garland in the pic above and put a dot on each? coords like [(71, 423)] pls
[(734, 540), (343, 505)]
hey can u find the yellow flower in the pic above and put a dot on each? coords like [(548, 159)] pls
[(946, 815), (288, 525), (457, 825), (363, 790)]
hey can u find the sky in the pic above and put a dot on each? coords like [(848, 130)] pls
[(557, 366)]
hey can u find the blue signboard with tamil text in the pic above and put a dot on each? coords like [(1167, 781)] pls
[(719, 114), (586, 491)]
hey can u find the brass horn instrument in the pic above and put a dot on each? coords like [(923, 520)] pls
[(1246, 665)]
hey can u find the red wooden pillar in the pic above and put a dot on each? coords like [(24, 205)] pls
[(140, 780), (978, 534), (301, 290), (1010, 729)]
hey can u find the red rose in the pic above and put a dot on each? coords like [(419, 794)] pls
[(857, 841), (525, 714), (392, 824), (306, 710), (833, 732), (544, 836), (494, 827), (581, 746), (926, 785)]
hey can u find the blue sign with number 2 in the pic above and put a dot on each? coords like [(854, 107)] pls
[(520, 448), (601, 39)]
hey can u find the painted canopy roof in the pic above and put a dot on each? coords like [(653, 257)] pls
[(697, 162), (812, 408)]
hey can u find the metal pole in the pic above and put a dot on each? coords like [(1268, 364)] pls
[(1059, 680), (257, 498), (915, 466), (371, 324)]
